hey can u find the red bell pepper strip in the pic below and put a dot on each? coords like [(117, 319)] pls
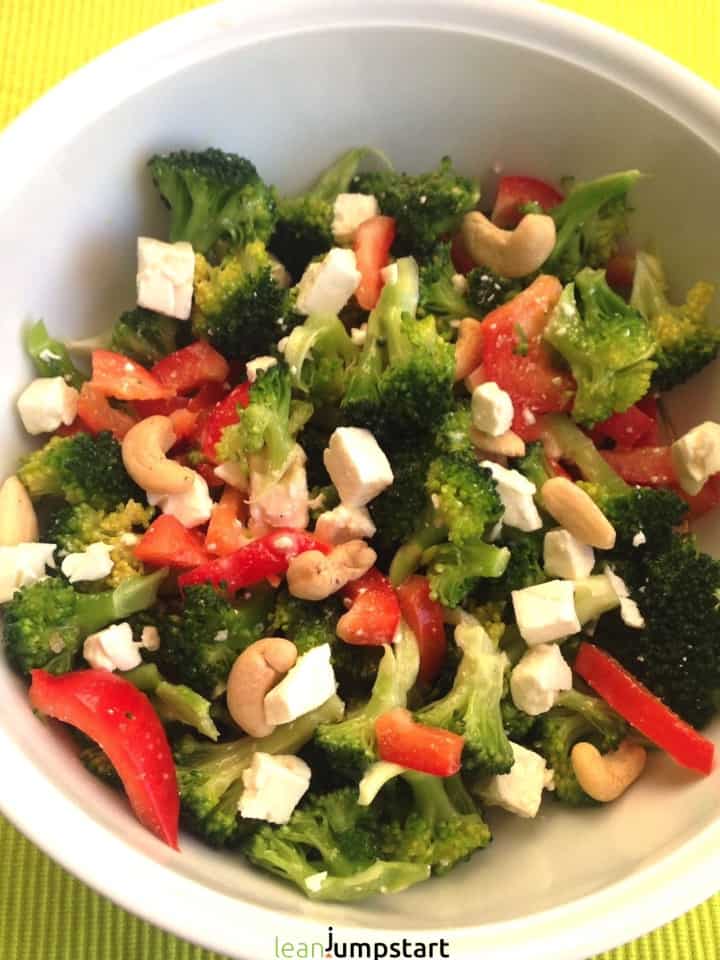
[(424, 616), (120, 719), (265, 557), (118, 376), (514, 192), (167, 543), (374, 614), (628, 429), (416, 746), (96, 413), (189, 368), (373, 240), (223, 415), (643, 710)]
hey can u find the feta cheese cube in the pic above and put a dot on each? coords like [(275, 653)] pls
[(308, 685), (639, 539), (546, 612), (459, 282), (273, 785), (150, 638), (492, 409), (258, 365), (234, 474), (358, 335), (47, 403), (538, 678), (94, 563), (567, 557), (345, 523), (356, 465), (315, 881), (389, 274), (516, 493), (349, 211), (165, 277), (22, 565), (326, 286), (629, 610), (112, 649), (519, 791), (283, 502), (191, 508), (697, 456)]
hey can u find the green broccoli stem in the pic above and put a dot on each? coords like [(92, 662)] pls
[(146, 677), (430, 795), (178, 703), (94, 611), (338, 177), (409, 556), (594, 711), (50, 357), (594, 596), (383, 876), (579, 448)]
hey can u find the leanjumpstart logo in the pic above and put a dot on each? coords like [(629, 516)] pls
[(335, 949)]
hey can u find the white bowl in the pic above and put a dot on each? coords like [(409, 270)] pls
[(290, 84)]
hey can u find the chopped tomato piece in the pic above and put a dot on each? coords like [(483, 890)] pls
[(628, 429), (121, 720), (620, 272), (208, 396), (705, 501), (462, 261), (189, 368), (468, 347), (95, 411), (655, 437), (514, 192), (645, 466), (416, 746), (226, 532), (374, 613), (167, 543), (223, 415), (373, 240), (118, 376), (424, 616), (643, 710)]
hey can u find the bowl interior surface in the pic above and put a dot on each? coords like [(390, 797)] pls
[(291, 104)]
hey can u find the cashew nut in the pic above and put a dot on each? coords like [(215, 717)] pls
[(314, 575), (143, 451), (18, 522), (605, 777), (509, 253), (255, 672), (508, 444)]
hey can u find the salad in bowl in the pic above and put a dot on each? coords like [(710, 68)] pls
[(367, 516)]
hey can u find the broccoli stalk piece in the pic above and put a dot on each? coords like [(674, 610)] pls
[(213, 196), (594, 596), (403, 378), (577, 716), (534, 465), (589, 224), (210, 775), (426, 206), (81, 469), (239, 304), (472, 707), (46, 622), (174, 703), (578, 448), (608, 346), (349, 746), (318, 354), (686, 339), (50, 357)]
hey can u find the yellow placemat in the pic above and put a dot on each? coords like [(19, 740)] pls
[(45, 914)]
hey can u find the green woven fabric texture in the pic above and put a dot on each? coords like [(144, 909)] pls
[(45, 914)]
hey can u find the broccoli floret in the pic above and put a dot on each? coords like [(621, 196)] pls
[(589, 223), (50, 357), (214, 196), (650, 511), (200, 640), (452, 434), (486, 290), (144, 335), (335, 841), (45, 623), (534, 464), (304, 227), (517, 724), (443, 292), (318, 354), (349, 746), (524, 567), (74, 528), (426, 206), (465, 497), (441, 828), (210, 775), (239, 305), (81, 469), (395, 512), (686, 339), (94, 759), (577, 716), (455, 570), (403, 377), (472, 707), (608, 346)]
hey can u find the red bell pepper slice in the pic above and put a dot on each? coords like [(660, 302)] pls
[(424, 616), (118, 376), (189, 368), (120, 719), (265, 557), (643, 710), (645, 466), (628, 429), (167, 543), (223, 415), (373, 240), (96, 413), (226, 532), (703, 502), (514, 192), (374, 614), (416, 746)]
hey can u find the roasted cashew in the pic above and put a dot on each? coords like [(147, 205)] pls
[(577, 512), (314, 575), (605, 777), (255, 672), (18, 522), (508, 444), (509, 253), (143, 451)]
